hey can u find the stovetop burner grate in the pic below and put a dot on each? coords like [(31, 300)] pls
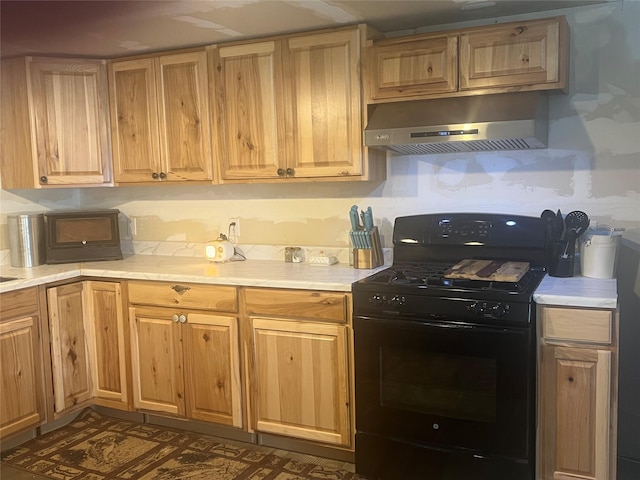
[(433, 276)]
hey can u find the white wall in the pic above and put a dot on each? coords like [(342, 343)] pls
[(592, 164)]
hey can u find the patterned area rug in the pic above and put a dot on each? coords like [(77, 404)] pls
[(96, 447)]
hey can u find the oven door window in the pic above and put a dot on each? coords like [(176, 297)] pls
[(446, 385)]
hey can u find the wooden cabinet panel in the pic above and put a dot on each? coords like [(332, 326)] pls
[(302, 304), (421, 65), (515, 54), (134, 120), (20, 370), (212, 368), (58, 123), (184, 116), (184, 295), (69, 347), (576, 418), (300, 383), (592, 326), (249, 124), (160, 118), (107, 343), (323, 83), (156, 361)]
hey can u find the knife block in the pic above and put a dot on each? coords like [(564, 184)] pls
[(369, 257)]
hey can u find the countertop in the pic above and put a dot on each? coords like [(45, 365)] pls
[(577, 292), (262, 273), (574, 291)]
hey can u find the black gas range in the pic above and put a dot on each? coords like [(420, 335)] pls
[(445, 366)]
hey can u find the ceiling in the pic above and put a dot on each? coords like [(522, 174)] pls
[(119, 28)]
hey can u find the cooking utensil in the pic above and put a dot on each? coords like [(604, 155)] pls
[(549, 218), (576, 223), (559, 226)]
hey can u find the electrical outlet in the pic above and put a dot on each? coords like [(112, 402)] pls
[(234, 227)]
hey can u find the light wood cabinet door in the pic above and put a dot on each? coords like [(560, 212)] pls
[(212, 368), (107, 344), (575, 413), (323, 98), (134, 120), (160, 119), (300, 380), (156, 360), (69, 346), (529, 53), (414, 66), (185, 131), (249, 122), (54, 123), (21, 406)]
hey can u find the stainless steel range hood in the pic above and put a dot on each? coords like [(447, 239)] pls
[(506, 121)]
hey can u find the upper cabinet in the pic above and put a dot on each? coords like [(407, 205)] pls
[(423, 65), (519, 56), (515, 55), (290, 108), (160, 119), (54, 123)]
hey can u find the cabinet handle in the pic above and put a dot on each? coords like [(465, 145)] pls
[(280, 172), (182, 318), (180, 289), (571, 379), (163, 175), (175, 318), (291, 172), (43, 179), (154, 175)]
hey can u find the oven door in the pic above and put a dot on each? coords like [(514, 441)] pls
[(446, 385)]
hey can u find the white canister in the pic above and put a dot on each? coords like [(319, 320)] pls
[(598, 253)]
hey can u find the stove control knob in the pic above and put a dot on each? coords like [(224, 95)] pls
[(377, 299), (397, 300), (477, 308), (499, 310)]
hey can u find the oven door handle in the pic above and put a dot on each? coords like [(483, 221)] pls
[(452, 325)]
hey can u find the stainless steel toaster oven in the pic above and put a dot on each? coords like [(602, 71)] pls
[(77, 236)]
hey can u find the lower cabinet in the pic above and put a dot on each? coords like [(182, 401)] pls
[(88, 349), (185, 361), (577, 394), (300, 376), (22, 402)]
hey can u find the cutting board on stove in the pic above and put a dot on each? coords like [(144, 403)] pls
[(493, 270)]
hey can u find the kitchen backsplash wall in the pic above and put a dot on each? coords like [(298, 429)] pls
[(592, 164)]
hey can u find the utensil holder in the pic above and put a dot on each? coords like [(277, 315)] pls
[(561, 259), (373, 257)]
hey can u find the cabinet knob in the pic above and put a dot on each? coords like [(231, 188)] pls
[(290, 172), (281, 172), (182, 318), (154, 175), (163, 175), (43, 179), (175, 318), (571, 379)]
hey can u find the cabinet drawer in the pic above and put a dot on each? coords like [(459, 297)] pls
[(185, 295), (326, 306), (18, 303), (594, 326)]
